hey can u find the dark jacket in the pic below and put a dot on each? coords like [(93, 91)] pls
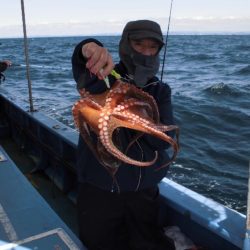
[(3, 66), (129, 178)]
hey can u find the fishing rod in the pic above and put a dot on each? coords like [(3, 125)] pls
[(166, 41), (27, 57)]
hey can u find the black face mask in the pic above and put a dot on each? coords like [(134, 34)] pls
[(140, 67), (145, 67)]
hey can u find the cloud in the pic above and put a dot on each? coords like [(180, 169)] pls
[(196, 24), (211, 24)]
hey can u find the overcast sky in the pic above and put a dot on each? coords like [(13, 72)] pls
[(88, 17)]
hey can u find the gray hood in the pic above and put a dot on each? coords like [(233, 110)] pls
[(141, 67)]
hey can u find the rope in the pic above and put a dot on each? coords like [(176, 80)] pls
[(166, 42), (27, 57)]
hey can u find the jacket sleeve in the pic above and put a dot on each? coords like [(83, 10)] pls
[(3, 66), (83, 77), (163, 99)]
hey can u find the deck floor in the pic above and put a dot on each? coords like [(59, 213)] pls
[(58, 201)]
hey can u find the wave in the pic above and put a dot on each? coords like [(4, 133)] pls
[(222, 89), (36, 66), (243, 71), (243, 47), (199, 57)]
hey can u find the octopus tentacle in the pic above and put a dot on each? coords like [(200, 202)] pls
[(86, 136), (141, 95), (155, 130), (137, 107), (133, 122), (79, 104), (134, 140), (123, 90), (105, 136), (98, 149)]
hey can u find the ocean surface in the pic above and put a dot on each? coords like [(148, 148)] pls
[(210, 80)]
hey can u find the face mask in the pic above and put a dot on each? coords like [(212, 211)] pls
[(145, 67), (140, 67)]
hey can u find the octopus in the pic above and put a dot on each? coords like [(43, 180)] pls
[(122, 106)]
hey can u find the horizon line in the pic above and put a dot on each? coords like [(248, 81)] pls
[(119, 34)]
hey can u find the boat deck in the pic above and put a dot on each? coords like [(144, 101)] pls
[(54, 196), (26, 219)]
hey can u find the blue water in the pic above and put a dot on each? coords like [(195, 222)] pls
[(210, 80)]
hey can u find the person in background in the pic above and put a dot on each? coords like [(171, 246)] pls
[(3, 66), (125, 218)]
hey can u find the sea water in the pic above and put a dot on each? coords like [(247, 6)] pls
[(210, 80)]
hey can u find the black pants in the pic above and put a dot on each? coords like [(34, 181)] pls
[(123, 221)]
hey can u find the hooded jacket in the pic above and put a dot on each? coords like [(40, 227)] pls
[(140, 67), (129, 178), (3, 67)]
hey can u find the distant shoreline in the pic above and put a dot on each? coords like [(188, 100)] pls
[(115, 34)]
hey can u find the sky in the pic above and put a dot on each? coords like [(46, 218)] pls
[(88, 17)]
